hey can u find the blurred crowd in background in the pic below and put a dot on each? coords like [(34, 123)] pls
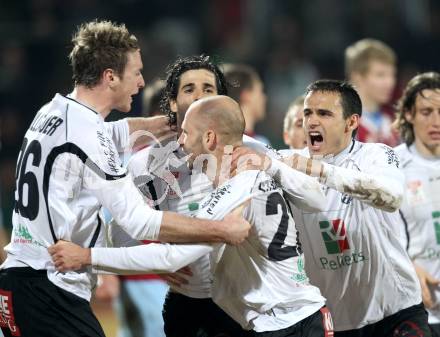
[(289, 42)]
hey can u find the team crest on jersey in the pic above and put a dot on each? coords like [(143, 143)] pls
[(415, 192), (334, 236)]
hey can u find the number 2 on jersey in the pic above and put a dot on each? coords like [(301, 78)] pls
[(276, 251), (30, 210)]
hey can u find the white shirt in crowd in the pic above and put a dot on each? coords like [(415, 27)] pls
[(421, 214)]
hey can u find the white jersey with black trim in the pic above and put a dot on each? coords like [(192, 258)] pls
[(261, 283), (353, 249), (67, 169), (420, 211), (162, 175)]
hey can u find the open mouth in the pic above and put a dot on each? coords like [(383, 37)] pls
[(315, 138)]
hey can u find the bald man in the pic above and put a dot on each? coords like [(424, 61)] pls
[(261, 284)]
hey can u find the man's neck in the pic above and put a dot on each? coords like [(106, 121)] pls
[(93, 98), (250, 120), (429, 152), (224, 159), (368, 104)]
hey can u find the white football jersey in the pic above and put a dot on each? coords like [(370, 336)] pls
[(261, 283), (421, 214), (162, 175), (68, 167), (352, 249)]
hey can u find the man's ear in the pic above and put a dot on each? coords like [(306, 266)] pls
[(173, 105), (110, 78), (286, 138), (209, 140), (352, 123), (245, 96), (409, 116)]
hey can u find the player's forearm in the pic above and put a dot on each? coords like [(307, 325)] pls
[(381, 191), (141, 129), (304, 191), (151, 258), (179, 228), (138, 124)]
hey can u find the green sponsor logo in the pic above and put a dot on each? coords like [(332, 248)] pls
[(333, 234), (436, 220), (341, 261), (193, 206), (301, 276), (431, 254), (335, 240), (22, 235)]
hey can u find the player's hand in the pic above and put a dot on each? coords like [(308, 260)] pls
[(158, 125), (148, 130), (108, 287), (178, 278), (426, 282), (244, 158), (237, 228), (69, 256)]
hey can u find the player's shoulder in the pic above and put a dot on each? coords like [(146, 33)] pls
[(138, 162), (403, 151), (373, 152), (260, 147), (406, 156), (265, 183), (370, 149)]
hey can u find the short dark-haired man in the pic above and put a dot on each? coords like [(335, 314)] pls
[(352, 249), (418, 120)]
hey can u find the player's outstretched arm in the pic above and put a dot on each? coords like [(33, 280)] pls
[(379, 184), (136, 218), (303, 191), (151, 258), (233, 229)]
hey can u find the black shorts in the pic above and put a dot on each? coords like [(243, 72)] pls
[(409, 322), (32, 306), (319, 324), (435, 329), (190, 317)]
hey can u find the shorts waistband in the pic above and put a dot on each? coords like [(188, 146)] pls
[(25, 272)]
